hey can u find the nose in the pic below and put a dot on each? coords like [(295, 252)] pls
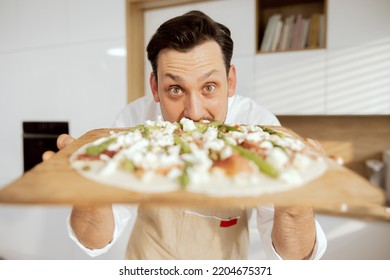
[(194, 108)]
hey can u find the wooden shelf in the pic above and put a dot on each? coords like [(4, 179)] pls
[(307, 9)]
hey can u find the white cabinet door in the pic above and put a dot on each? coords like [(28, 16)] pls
[(358, 80), (358, 57), (291, 82)]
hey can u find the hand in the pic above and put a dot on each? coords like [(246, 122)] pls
[(93, 225), (62, 141)]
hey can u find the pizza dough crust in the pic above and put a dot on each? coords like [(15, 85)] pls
[(213, 183)]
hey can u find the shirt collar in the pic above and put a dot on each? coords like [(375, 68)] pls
[(230, 104)]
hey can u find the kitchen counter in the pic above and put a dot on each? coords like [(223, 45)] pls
[(373, 212)]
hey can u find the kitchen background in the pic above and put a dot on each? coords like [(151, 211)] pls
[(65, 60)]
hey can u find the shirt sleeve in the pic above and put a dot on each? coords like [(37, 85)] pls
[(265, 222), (122, 215)]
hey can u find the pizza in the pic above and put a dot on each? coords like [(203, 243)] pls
[(212, 158)]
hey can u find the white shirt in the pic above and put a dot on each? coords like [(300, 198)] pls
[(241, 110)]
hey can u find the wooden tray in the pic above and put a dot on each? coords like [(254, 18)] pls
[(55, 182)]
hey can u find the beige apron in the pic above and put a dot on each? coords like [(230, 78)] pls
[(183, 233)]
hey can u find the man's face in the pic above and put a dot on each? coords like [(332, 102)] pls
[(193, 84)]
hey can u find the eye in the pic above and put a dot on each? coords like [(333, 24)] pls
[(175, 90), (209, 88)]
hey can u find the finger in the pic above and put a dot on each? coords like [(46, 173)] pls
[(64, 140), (46, 155)]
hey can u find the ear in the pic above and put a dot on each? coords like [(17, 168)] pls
[(154, 87), (232, 79)]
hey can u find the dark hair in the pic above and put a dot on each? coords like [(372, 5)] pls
[(185, 32)]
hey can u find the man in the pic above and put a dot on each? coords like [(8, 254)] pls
[(192, 77)]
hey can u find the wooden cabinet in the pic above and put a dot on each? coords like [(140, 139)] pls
[(285, 25)]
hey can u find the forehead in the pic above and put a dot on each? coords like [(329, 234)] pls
[(200, 58)]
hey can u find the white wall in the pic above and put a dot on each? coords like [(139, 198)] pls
[(54, 67)]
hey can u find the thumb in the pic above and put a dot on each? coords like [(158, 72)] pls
[(46, 155), (64, 140)]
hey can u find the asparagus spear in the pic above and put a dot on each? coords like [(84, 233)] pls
[(263, 166), (98, 149)]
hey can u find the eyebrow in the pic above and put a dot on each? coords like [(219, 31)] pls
[(174, 77), (208, 74), (180, 79)]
